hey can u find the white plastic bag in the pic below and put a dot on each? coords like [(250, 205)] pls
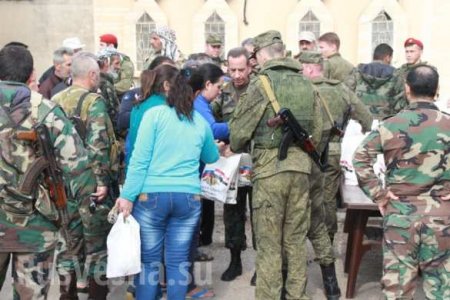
[(124, 248), (219, 179)]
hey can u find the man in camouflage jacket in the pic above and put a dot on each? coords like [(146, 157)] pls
[(28, 233), (415, 201)]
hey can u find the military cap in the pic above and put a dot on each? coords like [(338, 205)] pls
[(266, 39), (413, 41), (214, 39), (310, 57)]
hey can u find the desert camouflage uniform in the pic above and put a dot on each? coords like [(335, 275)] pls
[(336, 67), (233, 214), (280, 188), (339, 99), (27, 232), (99, 141), (415, 144), (126, 73)]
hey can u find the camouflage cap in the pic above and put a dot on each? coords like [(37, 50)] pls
[(310, 57), (266, 39), (214, 39)]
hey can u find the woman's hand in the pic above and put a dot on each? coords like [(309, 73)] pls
[(124, 206)]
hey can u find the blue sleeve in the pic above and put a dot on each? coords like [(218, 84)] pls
[(126, 104), (210, 152), (220, 129), (141, 157)]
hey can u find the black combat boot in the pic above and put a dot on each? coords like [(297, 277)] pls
[(330, 283), (253, 280), (98, 289), (235, 267), (68, 286)]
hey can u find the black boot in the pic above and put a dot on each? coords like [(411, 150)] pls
[(98, 289), (253, 280), (235, 267), (330, 283), (68, 286)]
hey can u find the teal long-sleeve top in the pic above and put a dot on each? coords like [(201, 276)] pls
[(136, 116), (167, 155)]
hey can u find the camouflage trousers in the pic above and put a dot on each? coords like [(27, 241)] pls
[(331, 187), (234, 217), (281, 220), (88, 232), (317, 233), (31, 273), (411, 243)]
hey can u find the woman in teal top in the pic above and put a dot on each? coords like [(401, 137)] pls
[(163, 172)]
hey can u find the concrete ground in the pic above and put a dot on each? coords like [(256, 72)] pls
[(208, 273)]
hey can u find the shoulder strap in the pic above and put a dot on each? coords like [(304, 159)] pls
[(268, 89), (80, 104), (325, 105)]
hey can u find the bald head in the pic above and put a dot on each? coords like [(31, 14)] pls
[(422, 82)]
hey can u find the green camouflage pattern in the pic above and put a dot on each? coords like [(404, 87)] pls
[(100, 137), (336, 67), (31, 273), (332, 181), (281, 212), (415, 145), (126, 73), (318, 233), (430, 252), (224, 105), (109, 94), (23, 228), (254, 109)]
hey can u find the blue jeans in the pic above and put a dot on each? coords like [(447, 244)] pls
[(167, 222)]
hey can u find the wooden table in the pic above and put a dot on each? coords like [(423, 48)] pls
[(359, 209)]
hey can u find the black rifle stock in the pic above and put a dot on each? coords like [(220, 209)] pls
[(293, 131), (46, 165)]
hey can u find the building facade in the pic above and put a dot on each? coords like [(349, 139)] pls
[(361, 24)]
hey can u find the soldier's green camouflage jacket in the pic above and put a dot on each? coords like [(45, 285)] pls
[(27, 225), (254, 109), (336, 67), (100, 139), (224, 105), (416, 148), (109, 94), (339, 98), (125, 79)]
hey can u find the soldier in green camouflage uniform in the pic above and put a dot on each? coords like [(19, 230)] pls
[(234, 215), (213, 47), (28, 233), (335, 66), (413, 54), (341, 102), (100, 142), (415, 200), (280, 188)]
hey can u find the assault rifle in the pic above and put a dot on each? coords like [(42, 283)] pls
[(293, 131), (45, 165)]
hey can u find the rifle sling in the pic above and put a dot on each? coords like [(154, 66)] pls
[(268, 89), (325, 106), (80, 104)]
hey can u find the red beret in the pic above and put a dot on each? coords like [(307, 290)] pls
[(108, 38), (413, 41)]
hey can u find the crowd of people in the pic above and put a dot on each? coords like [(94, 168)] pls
[(82, 144)]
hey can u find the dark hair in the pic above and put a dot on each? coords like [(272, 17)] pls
[(206, 72), (330, 38), (381, 51), (180, 94), (423, 81), (238, 52), (16, 64), (15, 43), (159, 60)]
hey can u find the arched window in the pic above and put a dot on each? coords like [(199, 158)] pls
[(382, 30), (144, 26), (215, 25), (310, 23)]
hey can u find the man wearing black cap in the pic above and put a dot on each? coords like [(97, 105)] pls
[(280, 186)]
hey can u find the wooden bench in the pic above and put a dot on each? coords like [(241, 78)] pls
[(359, 209)]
